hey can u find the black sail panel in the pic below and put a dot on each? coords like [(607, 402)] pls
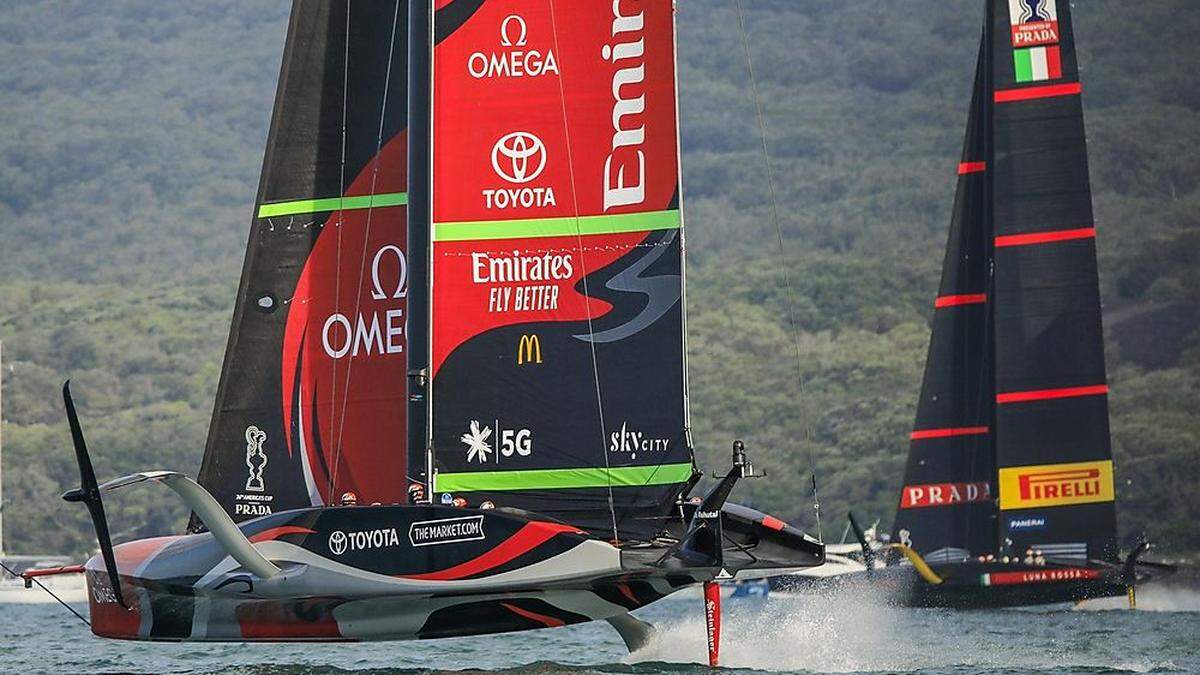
[(946, 503), (1052, 437), (310, 402)]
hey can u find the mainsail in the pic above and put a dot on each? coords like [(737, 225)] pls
[(556, 280), (946, 505), (1011, 450), (311, 398)]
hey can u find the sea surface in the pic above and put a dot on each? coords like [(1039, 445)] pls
[(813, 634)]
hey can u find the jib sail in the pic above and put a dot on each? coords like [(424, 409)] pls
[(1011, 449), (557, 343), (311, 397), (1052, 438)]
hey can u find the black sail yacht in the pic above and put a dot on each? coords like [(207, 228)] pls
[(454, 397), (1008, 495)]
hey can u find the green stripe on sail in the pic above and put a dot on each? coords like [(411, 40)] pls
[(1023, 62), (557, 479), (556, 227), (332, 204)]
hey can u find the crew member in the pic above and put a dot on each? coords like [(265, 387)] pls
[(416, 493)]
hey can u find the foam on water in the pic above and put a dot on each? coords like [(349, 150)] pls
[(835, 633), (1151, 598), (845, 632)]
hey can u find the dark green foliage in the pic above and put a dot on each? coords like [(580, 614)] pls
[(132, 133)]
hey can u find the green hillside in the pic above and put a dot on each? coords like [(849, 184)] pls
[(132, 131)]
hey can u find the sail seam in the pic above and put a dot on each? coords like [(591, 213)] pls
[(1049, 394)]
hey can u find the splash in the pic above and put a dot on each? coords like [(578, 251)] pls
[(1150, 598), (847, 631)]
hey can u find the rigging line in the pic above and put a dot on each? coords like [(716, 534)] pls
[(587, 298), (787, 283), (362, 263), (52, 594), (337, 278)]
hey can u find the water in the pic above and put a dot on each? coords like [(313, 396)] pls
[(826, 634)]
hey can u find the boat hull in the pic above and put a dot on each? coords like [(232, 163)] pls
[(970, 586), (397, 573)]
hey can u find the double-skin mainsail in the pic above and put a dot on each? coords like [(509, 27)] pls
[(548, 274), (1011, 453)]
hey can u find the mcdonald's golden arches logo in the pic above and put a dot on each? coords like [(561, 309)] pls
[(529, 350)]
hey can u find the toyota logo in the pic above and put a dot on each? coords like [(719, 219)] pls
[(337, 542), (519, 157)]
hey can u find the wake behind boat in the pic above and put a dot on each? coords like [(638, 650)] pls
[(1008, 495), (454, 397)]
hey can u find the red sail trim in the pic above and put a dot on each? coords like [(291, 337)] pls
[(529, 537), (956, 300), (971, 167), (1047, 394), (1031, 93), (1007, 240), (547, 621), (277, 532), (924, 434)]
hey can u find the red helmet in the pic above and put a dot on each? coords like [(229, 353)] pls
[(349, 499)]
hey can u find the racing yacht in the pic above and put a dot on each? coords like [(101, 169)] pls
[(454, 396)]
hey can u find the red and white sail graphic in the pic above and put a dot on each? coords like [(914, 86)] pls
[(344, 358), (544, 113)]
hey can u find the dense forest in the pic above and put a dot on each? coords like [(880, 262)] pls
[(132, 132)]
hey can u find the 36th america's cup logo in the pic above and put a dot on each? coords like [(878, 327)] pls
[(1034, 22), (519, 157), (1033, 10), (256, 459)]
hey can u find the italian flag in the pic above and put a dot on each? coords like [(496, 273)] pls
[(1037, 63)]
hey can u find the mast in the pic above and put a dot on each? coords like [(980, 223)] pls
[(420, 48)]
